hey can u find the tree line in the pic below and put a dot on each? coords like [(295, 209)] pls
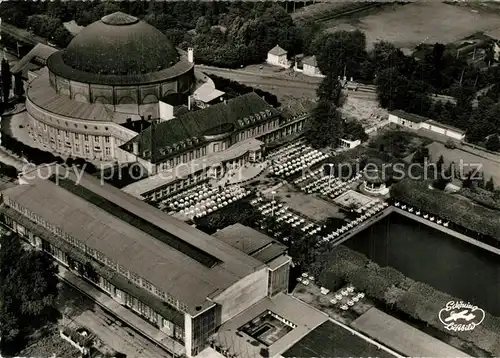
[(409, 82), (223, 34)]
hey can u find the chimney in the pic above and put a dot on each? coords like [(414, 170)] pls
[(129, 120), (352, 79), (345, 78), (135, 148), (149, 117), (191, 55), (189, 103)]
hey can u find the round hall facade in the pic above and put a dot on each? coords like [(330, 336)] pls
[(114, 71)]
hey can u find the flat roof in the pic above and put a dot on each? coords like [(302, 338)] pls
[(165, 177), (165, 267), (251, 242), (304, 316), (415, 118), (445, 126), (402, 337), (207, 93)]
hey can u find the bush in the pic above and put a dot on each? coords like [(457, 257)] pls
[(38, 157), (238, 89), (392, 275), (448, 207), (238, 212), (370, 281), (8, 171)]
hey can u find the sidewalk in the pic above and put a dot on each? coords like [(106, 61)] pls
[(122, 313)]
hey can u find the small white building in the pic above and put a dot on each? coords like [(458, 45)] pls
[(444, 129), (414, 121), (310, 67), (349, 144), (278, 57), (406, 119)]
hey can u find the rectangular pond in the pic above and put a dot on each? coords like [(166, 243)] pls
[(430, 256)]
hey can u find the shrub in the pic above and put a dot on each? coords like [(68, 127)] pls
[(392, 275), (448, 207), (369, 281), (38, 156)]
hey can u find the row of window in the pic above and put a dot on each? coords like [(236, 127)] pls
[(99, 256), (183, 158), (176, 186), (66, 134), (252, 132)]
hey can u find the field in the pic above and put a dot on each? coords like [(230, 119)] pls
[(331, 340), (429, 22)]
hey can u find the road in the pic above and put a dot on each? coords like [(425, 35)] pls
[(21, 34), (81, 310), (281, 85)]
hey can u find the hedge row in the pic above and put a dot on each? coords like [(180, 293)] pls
[(482, 196), (466, 214), (389, 286), (236, 88), (38, 156), (8, 171)]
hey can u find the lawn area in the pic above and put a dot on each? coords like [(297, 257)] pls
[(489, 167), (308, 205), (331, 340)]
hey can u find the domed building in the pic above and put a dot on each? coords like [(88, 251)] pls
[(114, 72)]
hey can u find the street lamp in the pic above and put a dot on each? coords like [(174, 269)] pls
[(272, 207), (330, 175)]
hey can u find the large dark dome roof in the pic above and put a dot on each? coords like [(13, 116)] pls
[(120, 44)]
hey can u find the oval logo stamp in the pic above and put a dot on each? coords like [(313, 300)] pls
[(461, 317)]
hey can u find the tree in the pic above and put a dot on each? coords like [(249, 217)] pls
[(439, 163), (36, 283), (61, 37), (421, 155), (493, 143), (341, 51), (353, 130), (385, 55), (28, 289), (330, 89), (490, 185), (325, 126), (6, 77)]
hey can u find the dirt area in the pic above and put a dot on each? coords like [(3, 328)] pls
[(426, 21), (368, 113), (307, 204)]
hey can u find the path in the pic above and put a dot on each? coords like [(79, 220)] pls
[(403, 337), (81, 310), (120, 312), (280, 85)]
